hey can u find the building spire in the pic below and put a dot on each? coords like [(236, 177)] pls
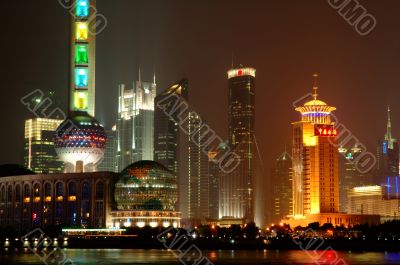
[(140, 76), (154, 78), (315, 86), (388, 136)]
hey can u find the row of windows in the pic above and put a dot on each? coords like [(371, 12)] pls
[(48, 192)]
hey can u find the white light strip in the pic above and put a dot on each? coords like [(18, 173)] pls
[(94, 230), (241, 72)]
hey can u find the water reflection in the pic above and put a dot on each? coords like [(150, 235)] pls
[(219, 257)]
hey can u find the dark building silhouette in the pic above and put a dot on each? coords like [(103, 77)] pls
[(282, 182), (166, 130)]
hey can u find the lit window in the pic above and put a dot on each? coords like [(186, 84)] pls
[(81, 77), (81, 31), (82, 8), (81, 54), (81, 100)]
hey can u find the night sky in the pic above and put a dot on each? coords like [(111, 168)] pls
[(286, 41)]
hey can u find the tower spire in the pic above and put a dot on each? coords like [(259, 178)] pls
[(388, 136), (140, 76), (315, 86)]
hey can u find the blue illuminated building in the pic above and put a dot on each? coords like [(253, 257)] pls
[(387, 170)]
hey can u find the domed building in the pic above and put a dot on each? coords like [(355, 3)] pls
[(146, 194), (80, 142)]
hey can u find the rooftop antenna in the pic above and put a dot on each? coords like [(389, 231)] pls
[(315, 86)]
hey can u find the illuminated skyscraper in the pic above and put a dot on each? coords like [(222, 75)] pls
[(166, 130), (315, 160), (282, 187), (237, 190), (198, 182), (39, 153), (109, 163), (80, 140), (388, 161), (135, 125)]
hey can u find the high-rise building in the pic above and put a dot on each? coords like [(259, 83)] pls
[(315, 165), (198, 182), (80, 140), (237, 187), (388, 160), (109, 162), (169, 142), (282, 187), (349, 176), (135, 124), (166, 130), (315, 160), (214, 173), (39, 153)]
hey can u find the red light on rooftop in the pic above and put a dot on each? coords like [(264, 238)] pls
[(240, 72)]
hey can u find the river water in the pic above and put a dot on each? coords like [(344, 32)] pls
[(166, 257)]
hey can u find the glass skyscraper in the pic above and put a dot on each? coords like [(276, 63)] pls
[(282, 187), (237, 186), (387, 168), (135, 124), (166, 130), (109, 162), (39, 152), (198, 175)]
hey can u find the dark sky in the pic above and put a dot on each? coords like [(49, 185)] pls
[(286, 41)]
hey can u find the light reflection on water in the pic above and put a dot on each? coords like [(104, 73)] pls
[(219, 257)]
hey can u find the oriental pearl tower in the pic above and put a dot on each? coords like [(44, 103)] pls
[(80, 140)]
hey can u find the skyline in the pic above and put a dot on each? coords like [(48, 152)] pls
[(272, 78), (253, 127)]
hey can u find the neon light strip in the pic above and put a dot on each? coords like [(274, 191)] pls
[(315, 112), (94, 230)]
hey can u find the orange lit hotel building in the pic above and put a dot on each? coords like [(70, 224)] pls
[(316, 168)]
